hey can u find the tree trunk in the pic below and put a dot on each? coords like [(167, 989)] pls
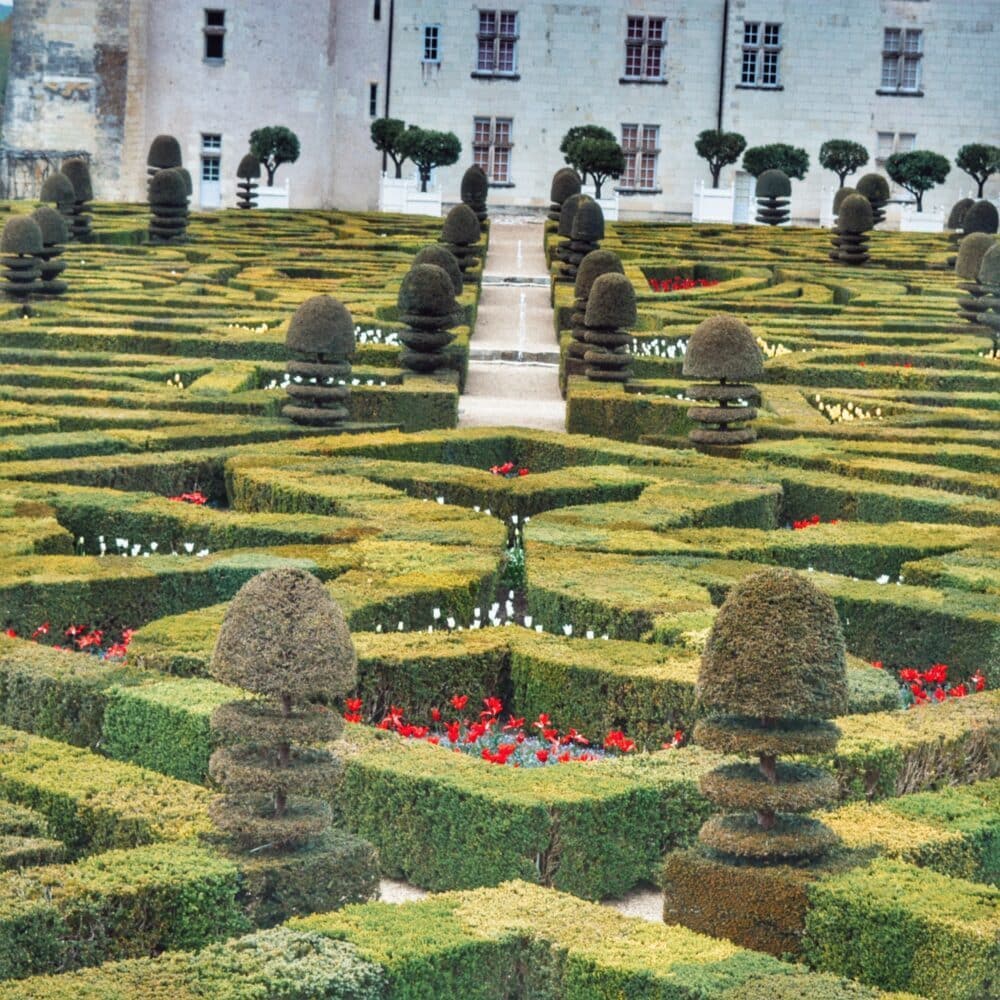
[(919, 195), (399, 168), (715, 174), (979, 193), (425, 176), (598, 181), (270, 173)]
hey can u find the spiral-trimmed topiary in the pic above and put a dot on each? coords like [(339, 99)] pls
[(565, 183), (724, 349), (445, 259), (77, 172), (460, 234), (854, 221), (168, 202), (772, 193), (981, 217), (957, 214), (474, 189), (610, 311), (20, 242), (838, 197), (427, 305), (320, 341), (596, 263), (876, 189), (164, 153), (248, 174), (585, 237), (54, 233), (971, 251)]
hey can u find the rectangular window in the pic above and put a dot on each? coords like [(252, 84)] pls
[(211, 142), (641, 145), (432, 43), (215, 35), (888, 143), (491, 147), (901, 55), (761, 54), (496, 43), (645, 38), (372, 100), (210, 168), (377, 11)]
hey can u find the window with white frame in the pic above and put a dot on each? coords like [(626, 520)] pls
[(902, 51), (491, 147), (887, 143), (497, 43), (645, 38), (432, 43), (641, 145), (761, 54), (211, 156)]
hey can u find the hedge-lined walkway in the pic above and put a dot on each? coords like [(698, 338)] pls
[(514, 359)]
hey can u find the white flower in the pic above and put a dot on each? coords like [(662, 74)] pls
[(590, 633), (378, 628), (153, 546), (122, 543), (476, 508), (436, 613), (538, 628), (451, 622), (567, 629), (189, 547), (478, 612), (440, 499), (399, 627), (527, 621), (884, 578), (513, 518), (487, 512), (202, 553)]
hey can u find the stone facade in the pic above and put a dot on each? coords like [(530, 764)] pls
[(107, 75)]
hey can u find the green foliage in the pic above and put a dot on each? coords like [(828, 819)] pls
[(599, 156), (573, 136), (843, 157), (917, 171), (274, 145), (720, 149), (386, 134), (428, 149), (790, 160), (980, 161)]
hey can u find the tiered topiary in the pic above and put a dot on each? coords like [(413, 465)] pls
[(587, 233), (284, 639), (53, 229), (595, 264), (989, 281), (164, 153), (853, 223), (981, 217), (876, 189), (78, 173), (445, 259), (248, 173), (838, 199), (320, 342), (427, 305), (957, 214), (724, 349), (168, 201), (610, 311), (971, 252), (773, 192), (460, 235), (474, 189), (567, 215), (20, 243), (565, 183), (57, 190)]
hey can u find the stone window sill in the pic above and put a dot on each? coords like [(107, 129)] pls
[(631, 191), (899, 93), (759, 86), (481, 75), (644, 81)]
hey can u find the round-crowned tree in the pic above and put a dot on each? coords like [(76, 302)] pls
[(719, 149), (980, 161), (843, 157), (273, 146), (917, 172), (792, 161)]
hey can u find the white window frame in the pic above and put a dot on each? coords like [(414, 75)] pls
[(645, 39), (432, 45), (902, 55), (497, 34), (760, 65), (641, 145), (492, 143), (888, 143)]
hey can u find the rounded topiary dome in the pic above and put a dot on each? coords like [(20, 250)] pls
[(565, 183), (284, 635), (78, 174), (442, 257), (51, 224), (776, 650), (971, 251), (426, 290), (839, 195), (957, 214), (588, 222), (57, 188), (186, 177), (475, 185), (723, 348), (21, 235), (611, 303), (249, 168), (773, 184), (167, 187), (874, 187), (461, 226), (593, 265), (164, 152), (321, 325), (855, 215), (989, 268), (982, 217), (568, 213)]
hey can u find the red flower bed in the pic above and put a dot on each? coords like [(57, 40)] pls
[(197, 498), (508, 470), (84, 639), (924, 687), (810, 522), (678, 284)]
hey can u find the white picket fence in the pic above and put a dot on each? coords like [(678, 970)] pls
[(403, 196), (713, 204), (274, 197)]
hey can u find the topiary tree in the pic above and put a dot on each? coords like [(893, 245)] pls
[(601, 158), (385, 133), (429, 149), (610, 312), (917, 171), (854, 219), (567, 213), (54, 233), (248, 174), (566, 182), (460, 235), (164, 153), (957, 214), (842, 156), (427, 305), (474, 190), (980, 161), (792, 161), (720, 149), (989, 281), (981, 217), (21, 244), (77, 171), (445, 259), (576, 133), (972, 248), (596, 263), (876, 189), (587, 233), (273, 146), (772, 192), (168, 202)]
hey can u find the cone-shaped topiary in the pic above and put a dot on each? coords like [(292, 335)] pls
[(838, 198), (854, 221), (474, 190), (54, 233), (248, 173), (168, 202), (610, 311), (77, 172), (460, 235), (876, 189), (724, 349), (320, 341), (971, 251), (596, 263), (772, 193), (585, 237), (284, 639), (565, 183), (164, 153), (957, 213), (427, 305), (981, 217), (773, 670), (445, 259), (20, 241)]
